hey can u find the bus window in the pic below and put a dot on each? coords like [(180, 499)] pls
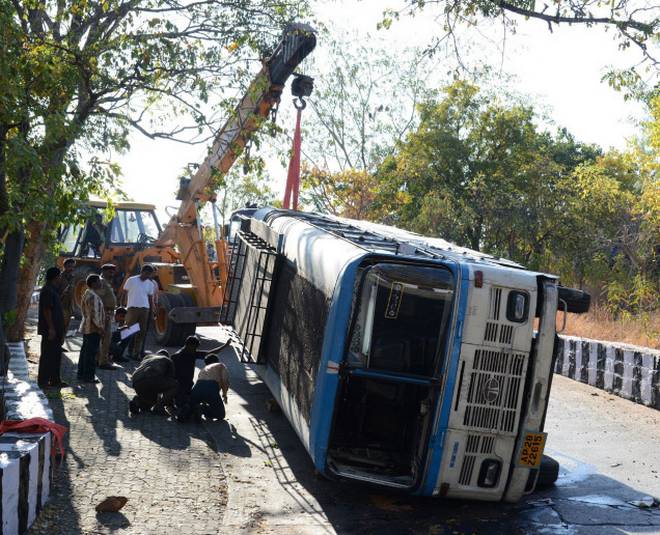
[(401, 319)]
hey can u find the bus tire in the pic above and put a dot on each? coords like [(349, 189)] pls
[(548, 473), (169, 333), (577, 301), (79, 282)]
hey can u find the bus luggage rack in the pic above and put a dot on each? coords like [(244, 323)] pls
[(257, 261)]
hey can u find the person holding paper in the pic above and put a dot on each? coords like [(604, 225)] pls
[(140, 291), (122, 335)]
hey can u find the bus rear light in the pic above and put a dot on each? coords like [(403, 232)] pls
[(478, 279)]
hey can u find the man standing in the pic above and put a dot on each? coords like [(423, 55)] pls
[(92, 326), (107, 294), (65, 287), (51, 329), (140, 291)]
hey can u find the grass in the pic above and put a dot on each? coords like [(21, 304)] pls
[(599, 324)]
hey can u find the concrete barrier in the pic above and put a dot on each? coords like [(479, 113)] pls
[(628, 371), (25, 458)]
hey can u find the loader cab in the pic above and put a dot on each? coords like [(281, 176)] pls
[(132, 225)]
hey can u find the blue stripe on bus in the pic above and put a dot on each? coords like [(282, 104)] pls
[(334, 339), (436, 442)]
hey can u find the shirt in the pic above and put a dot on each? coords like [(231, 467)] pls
[(65, 288), (154, 366), (138, 291), (93, 315), (107, 294), (49, 299), (184, 365), (216, 372)]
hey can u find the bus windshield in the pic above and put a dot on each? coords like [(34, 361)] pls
[(401, 319)]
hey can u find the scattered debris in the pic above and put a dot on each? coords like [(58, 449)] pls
[(594, 393), (111, 504), (647, 502), (614, 465)]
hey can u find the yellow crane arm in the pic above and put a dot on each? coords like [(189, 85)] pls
[(254, 108)]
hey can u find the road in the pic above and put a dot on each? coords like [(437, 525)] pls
[(609, 450), (251, 475)]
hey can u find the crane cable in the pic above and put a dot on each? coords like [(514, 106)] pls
[(293, 177)]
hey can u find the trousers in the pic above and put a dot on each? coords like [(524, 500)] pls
[(104, 356), (87, 359), (49, 362), (141, 316)]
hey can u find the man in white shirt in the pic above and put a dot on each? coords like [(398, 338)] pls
[(139, 290)]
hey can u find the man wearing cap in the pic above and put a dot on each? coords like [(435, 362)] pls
[(107, 294), (139, 291)]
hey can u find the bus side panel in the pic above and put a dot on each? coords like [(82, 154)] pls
[(293, 345), (327, 377), (450, 372)]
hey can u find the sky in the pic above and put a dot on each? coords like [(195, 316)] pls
[(561, 71)]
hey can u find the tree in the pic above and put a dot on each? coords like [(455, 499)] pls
[(78, 75), (634, 23), (477, 171), (359, 110)]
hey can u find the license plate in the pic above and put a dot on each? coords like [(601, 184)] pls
[(531, 451)]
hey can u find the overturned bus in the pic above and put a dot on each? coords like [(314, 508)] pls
[(400, 360)]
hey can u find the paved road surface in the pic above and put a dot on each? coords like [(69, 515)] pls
[(250, 474)]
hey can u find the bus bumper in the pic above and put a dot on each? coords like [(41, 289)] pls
[(523, 480)]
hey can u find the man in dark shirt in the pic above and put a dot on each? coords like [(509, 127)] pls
[(155, 385), (184, 364), (51, 329)]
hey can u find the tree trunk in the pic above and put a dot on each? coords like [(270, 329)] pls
[(11, 260), (33, 254)]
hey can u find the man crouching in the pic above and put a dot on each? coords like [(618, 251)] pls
[(155, 385)]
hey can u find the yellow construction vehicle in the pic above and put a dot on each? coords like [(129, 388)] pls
[(192, 286)]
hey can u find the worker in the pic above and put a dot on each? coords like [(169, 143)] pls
[(107, 294), (155, 385), (51, 329), (92, 327), (118, 344), (65, 287), (184, 364), (139, 291), (205, 396), (94, 236)]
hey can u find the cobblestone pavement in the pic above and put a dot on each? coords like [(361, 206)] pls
[(170, 473)]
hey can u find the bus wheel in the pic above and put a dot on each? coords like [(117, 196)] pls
[(577, 301), (548, 473), (79, 284), (169, 333)]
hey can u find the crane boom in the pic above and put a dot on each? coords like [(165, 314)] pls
[(261, 97)]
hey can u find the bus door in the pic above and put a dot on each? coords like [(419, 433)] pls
[(390, 375)]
